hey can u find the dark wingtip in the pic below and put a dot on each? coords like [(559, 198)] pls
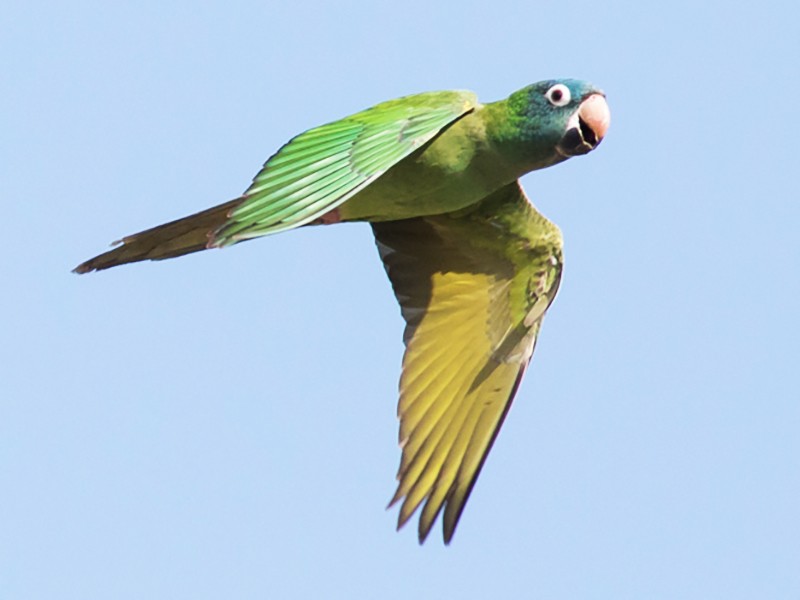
[(423, 532)]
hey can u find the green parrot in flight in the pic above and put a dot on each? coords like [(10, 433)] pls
[(473, 264)]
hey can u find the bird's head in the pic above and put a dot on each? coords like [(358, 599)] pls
[(562, 117)]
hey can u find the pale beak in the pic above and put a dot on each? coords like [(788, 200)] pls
[(587, 127)]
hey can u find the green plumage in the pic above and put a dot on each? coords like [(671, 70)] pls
[(320, 169), (473, 290), (474, 266)]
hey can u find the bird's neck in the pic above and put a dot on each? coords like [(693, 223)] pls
[(517, 137)]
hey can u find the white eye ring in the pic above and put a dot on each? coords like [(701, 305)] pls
[(558, 95)]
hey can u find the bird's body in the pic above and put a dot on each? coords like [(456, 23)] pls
[(472, 263), (455, 170)]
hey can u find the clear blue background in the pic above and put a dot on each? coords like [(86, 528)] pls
[(222, 426)]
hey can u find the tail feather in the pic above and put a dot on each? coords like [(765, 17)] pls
[(169, 240)]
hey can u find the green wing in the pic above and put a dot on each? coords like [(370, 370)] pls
[(473, 290), (320, 169)]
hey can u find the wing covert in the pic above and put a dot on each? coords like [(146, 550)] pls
[(320, 169)]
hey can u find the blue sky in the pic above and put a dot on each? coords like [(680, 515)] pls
[(223, 425)]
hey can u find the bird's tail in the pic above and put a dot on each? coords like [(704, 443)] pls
[(175, 238)]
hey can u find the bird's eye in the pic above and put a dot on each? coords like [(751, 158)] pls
[(558, 95)]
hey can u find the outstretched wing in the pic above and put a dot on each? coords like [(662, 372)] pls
[(473, 289), (320, 169)]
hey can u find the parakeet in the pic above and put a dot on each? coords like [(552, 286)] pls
[(473, 264)]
